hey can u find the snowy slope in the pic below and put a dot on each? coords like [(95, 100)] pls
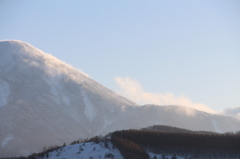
[(94, 151), (85, 151), (45, 102)]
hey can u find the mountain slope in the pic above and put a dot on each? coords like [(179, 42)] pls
[(177, 116), (45, 102)]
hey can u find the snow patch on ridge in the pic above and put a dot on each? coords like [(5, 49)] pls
[(4, 92), (6, 140), (216, 127), (89, 110), (57, 90), (53, 84)]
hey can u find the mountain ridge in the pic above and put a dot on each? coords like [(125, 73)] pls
[(46, 102)]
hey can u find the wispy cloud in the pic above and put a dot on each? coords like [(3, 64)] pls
[(133, 90), (235, 112)]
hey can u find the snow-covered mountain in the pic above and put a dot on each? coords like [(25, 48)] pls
[(44, 102)]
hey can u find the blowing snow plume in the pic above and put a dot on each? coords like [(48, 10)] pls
[(132, 89)]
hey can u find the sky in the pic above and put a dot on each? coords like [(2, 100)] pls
[(152, 52)]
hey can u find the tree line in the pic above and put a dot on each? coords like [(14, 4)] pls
[(198, 145)]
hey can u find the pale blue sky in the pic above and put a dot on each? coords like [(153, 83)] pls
[(183, 47)]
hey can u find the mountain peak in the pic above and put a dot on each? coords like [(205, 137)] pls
[(13, 42), (15, 54), (16, 47), (44, 102)]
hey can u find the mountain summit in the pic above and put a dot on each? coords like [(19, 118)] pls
[(46, 102)]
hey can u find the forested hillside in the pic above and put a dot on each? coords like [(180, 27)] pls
[(136, 143), (165, 128), (154, 142)]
